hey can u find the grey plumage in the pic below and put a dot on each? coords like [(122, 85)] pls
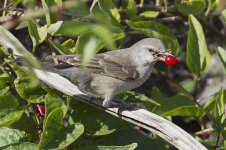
[(113, 72)]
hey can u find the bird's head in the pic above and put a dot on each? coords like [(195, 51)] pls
[(157, 51)]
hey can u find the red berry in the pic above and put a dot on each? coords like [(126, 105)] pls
[(40, 110), (170, 60)]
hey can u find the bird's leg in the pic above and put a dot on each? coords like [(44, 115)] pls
[(107, 103)]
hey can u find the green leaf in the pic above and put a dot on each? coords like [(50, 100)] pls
[(5, 81), (127, 147), (28, 124), (68, 28), (104, 34), (131, 9), (65, 137), (8, 102), (8, 110), (23, 146), (87, 46), (133, 97), (37, 34), (54, 100), (159, 31), (198, 56), (96, 122), (191, 111), (219, 112), (9, 137), (54, 10), (61, 49), (211, 103), (212, 5), (223, 13), (109, 8), (78, 8), (222, 55), (149, 14), (7, 117), (190, 6), (52, 126), (70, 45), (169, 104), (28, 88), (125, 137), (188, 84)]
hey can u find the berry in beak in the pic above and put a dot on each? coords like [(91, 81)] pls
[(168, 58)]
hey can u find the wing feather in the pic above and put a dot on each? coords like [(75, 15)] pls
[(108, 65)]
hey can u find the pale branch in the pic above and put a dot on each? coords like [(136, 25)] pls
[(139, 117)]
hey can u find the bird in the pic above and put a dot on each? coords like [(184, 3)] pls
[(113, 72)]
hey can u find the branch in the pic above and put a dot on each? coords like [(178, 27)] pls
[(139, 117)]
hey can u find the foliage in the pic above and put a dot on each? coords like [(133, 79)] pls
[(86, 28)]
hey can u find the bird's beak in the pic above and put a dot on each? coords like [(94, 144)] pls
[(162, 55)]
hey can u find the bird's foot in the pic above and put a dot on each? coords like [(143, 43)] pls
[(96, 100), (123, 105), (108, 103)]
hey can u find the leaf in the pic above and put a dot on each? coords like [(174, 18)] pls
[(126, 136), (188, 84), (61, 49), (219, 111), (8, 110), (23, 146), (9, 137), (211, 103), (28, 88), (66, 136), (159, 31), (169, 104), (133, 97), (78, 8), (131, 9), (7, 117), (8, 102), (191, 111), (104, 34), (37, 34), (190, 6), (198, 56), (28, 124), (149, 14), (222, 55), (212, 5), (109, 8), (54, 100), (54, 10), (68, 28), (95, 121), (5, 81), (70, 45), (127, 147), (223, 13), (54, 136), (52, 126), (87, 46)]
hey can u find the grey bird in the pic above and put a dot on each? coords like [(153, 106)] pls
[(113, 72)]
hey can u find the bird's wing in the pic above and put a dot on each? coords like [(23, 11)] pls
[(107, 64)]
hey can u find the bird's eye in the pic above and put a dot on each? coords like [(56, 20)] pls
[(152, 51)]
